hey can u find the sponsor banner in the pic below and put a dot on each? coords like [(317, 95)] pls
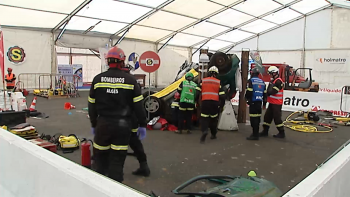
[(294, 101), (70, 70)]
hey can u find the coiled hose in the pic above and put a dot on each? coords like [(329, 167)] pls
[(305, 126)]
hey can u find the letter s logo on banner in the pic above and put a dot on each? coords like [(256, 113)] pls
[(16, 55)]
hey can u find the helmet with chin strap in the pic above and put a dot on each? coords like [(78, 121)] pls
[(115, 57)]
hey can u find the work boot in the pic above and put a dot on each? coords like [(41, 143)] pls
[(204, 135), (189, 132), (252, 137), (143, 170), (213, 137), (178, 131), (264, 134), (281, 133)]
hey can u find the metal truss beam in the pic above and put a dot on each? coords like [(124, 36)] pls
[(274, 28), (165, 44), (142, 17), (81, 6)]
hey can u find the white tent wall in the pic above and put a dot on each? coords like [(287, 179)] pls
[(37, 49), (326, 36)]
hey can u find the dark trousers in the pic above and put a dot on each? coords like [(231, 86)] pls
[(209, 116), (175, 116), (273, 112), (136, 145), (255, 110), (185, 113), (111, 141)]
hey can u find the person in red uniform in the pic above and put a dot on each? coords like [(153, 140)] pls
[(275, 100), (212, 93), (114, 97), (10, 79)]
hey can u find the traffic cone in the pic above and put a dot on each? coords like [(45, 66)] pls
[(68, 106), (32, 106)]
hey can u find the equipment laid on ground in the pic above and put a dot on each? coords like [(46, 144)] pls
[(307, 122), (232, 186), (24, 130), (45, 144), (86, 153), (292, 77), (69, 143)]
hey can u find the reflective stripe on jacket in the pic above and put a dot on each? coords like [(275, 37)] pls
[(276, 99), (210, 89)]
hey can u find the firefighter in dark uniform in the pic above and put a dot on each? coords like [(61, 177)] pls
[(275, 100), (136, 144), (212, 93), (188, 91), (256, 98), (114, 97)]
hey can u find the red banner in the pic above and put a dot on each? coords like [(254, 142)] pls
[(2, 56)]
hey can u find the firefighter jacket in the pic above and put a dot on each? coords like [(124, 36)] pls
[(115, 94), (256, 90), (10, 79), (187, 90), (275, 92), (211, 89)]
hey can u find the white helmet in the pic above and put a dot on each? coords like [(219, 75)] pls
[(273, 69), (214, 69)]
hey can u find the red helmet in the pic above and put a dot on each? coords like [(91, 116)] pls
[(177, 95), (115, 54), (9, 70)]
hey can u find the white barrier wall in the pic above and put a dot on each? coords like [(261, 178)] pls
[(330, 180), (29, 170)]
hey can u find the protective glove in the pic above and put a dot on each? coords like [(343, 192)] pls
[(141, 132), (93, 131)]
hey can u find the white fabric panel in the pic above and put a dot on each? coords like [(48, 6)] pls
[(195, 57), (257, 7), (61, 6), (62, 49), (165, 20), (91, 66), (81, 51), (172, 58), (62, 59), (193, 8), (113, 10), (109, 27), (226, 2), (184, 40), (319, 30), (282, 16), (250, 44), (329, 73), (230, 18), (36, 46), (292, 58), (80, 23), (287, 37), (82, 41), (29, 18), (340, 28), (235, 36), (146, 33), (307, 6), (216, 44), (285, 1), (153, 3), (205, 29), (258, 26)]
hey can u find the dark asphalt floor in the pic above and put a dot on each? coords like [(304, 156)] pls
[(173, 159)]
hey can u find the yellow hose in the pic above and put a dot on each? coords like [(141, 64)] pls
[(305, 126)]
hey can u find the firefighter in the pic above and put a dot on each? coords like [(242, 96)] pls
[(10, 79), (188, 91), (275, 100), (256, 98), (175, 109), (136, 145), (212, 93), (114, 97)]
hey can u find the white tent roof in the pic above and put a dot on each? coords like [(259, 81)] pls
[(216, 24)]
